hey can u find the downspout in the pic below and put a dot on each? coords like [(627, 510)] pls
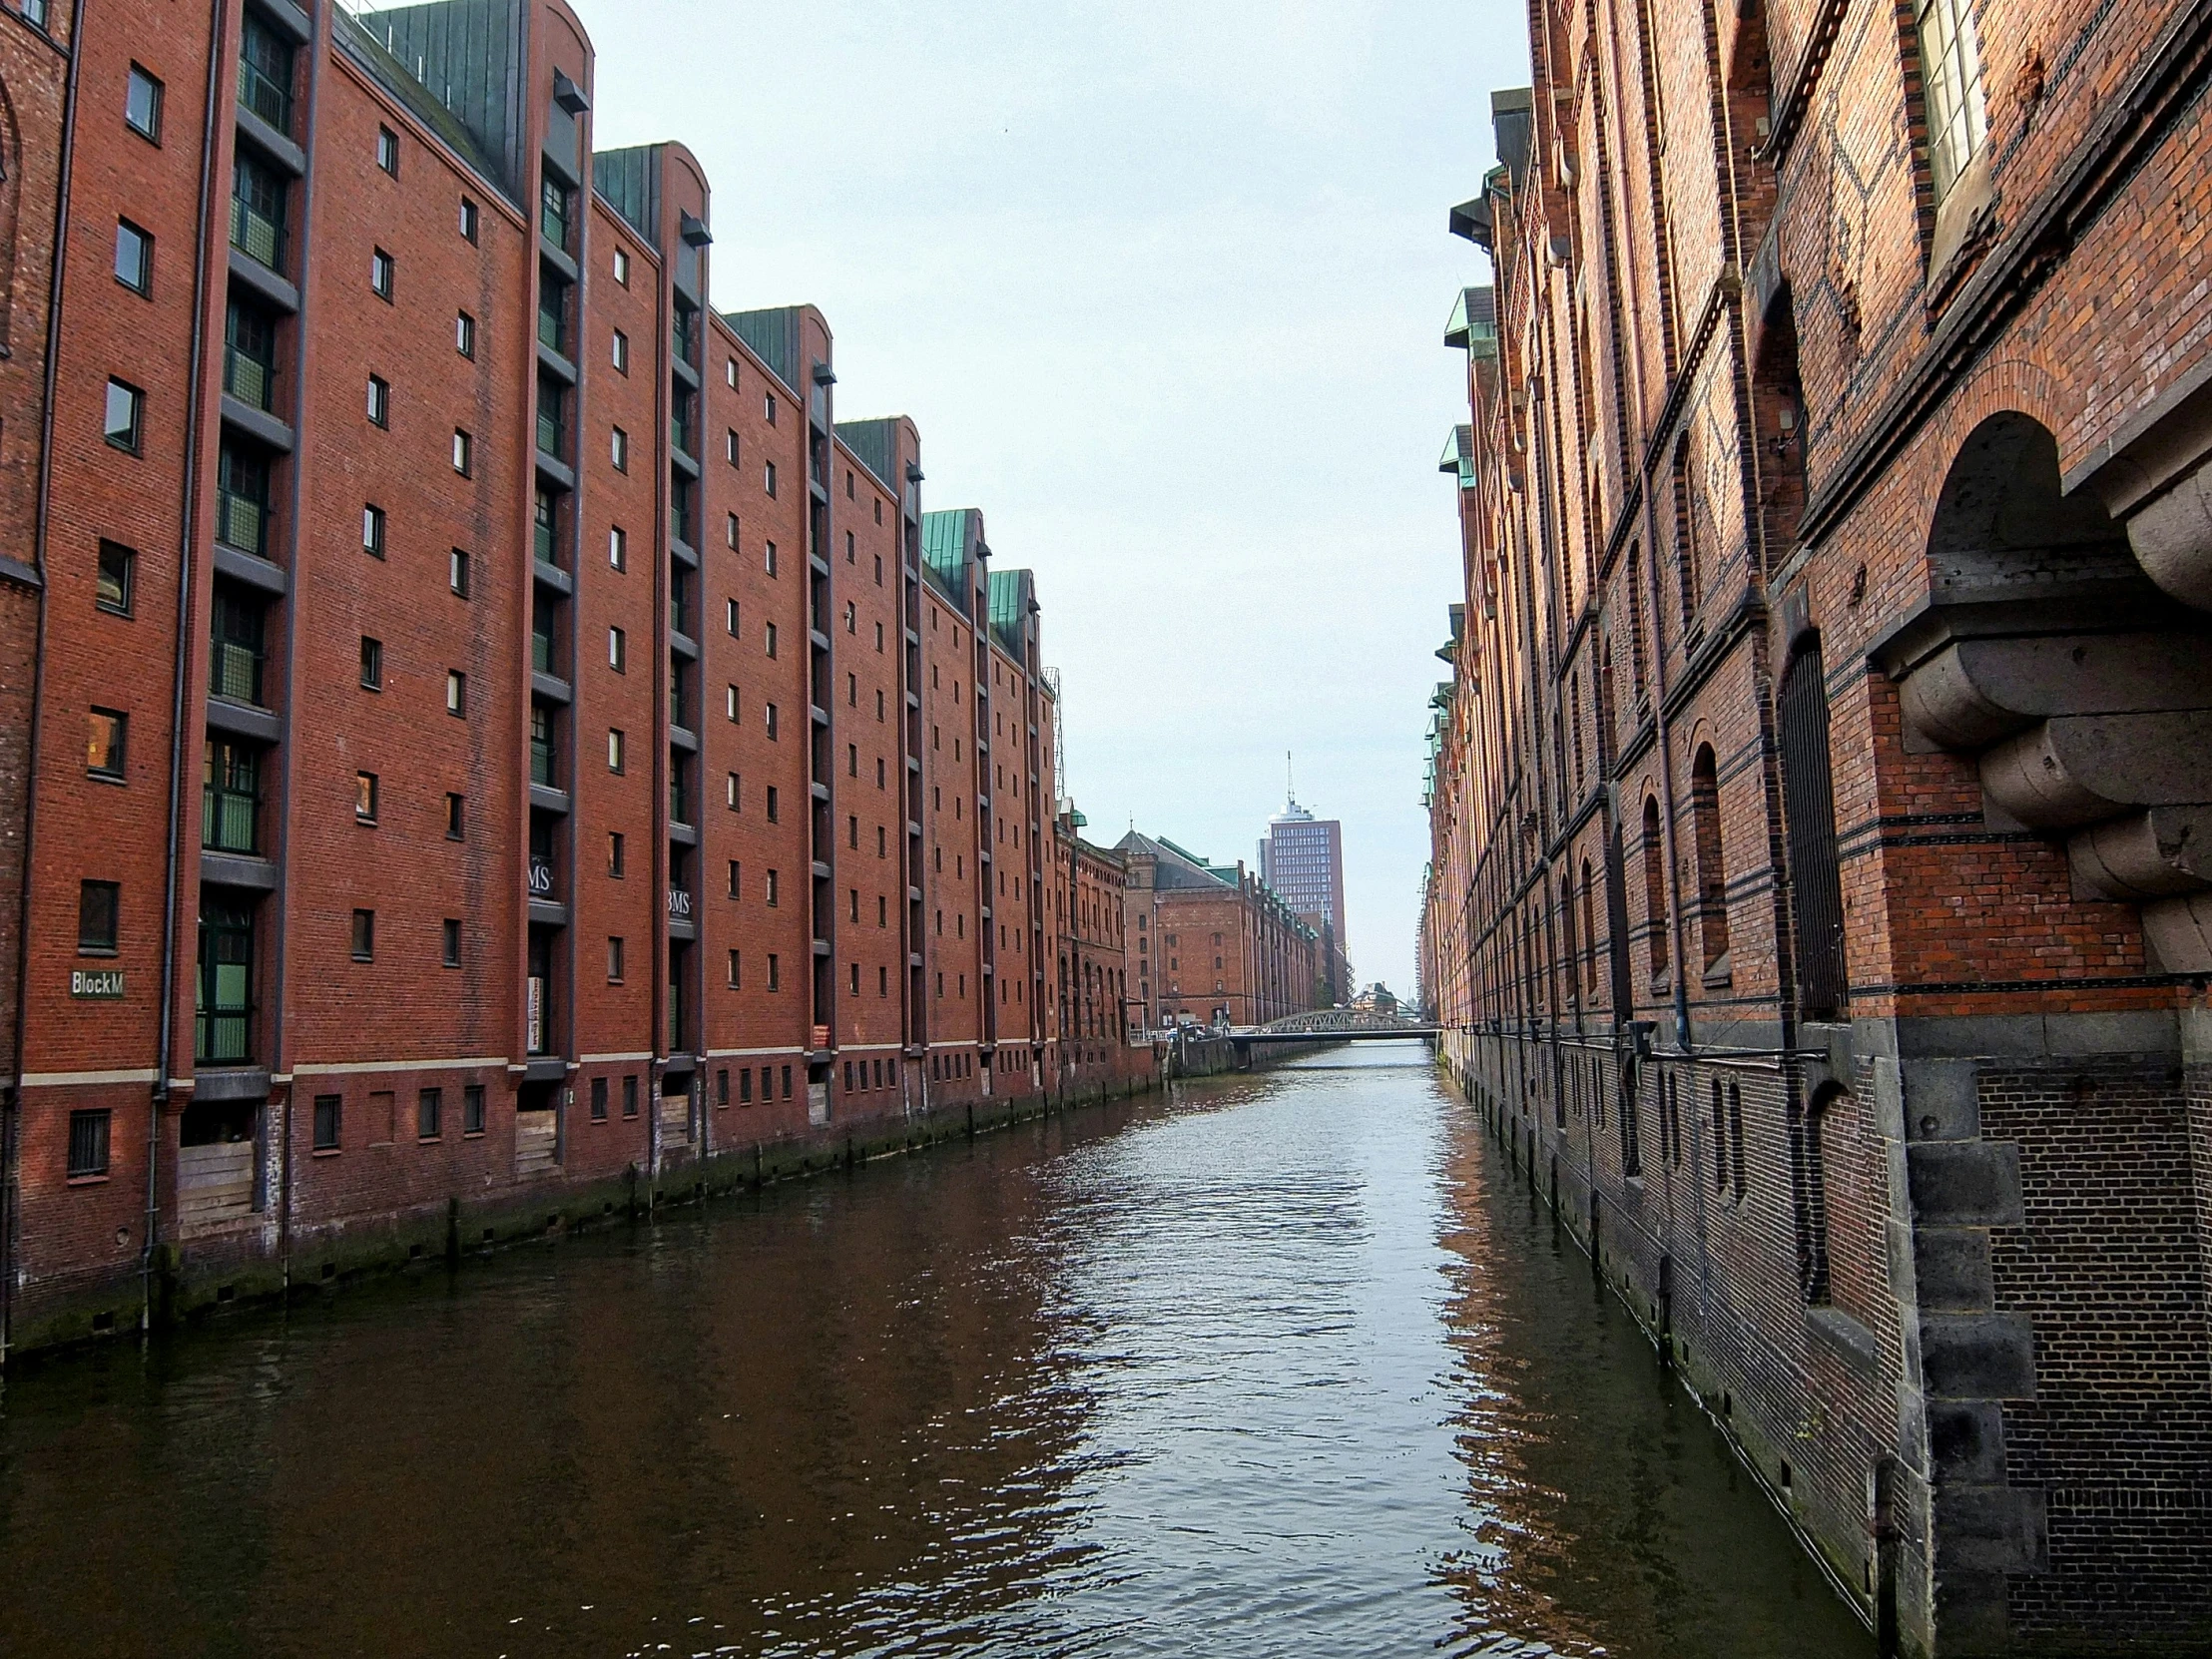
[(168, 1016), (11, 1107), (293, 647)]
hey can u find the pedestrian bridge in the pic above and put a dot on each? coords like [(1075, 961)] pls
[(1334, 1026)]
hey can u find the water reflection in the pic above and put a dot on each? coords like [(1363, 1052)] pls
[(1286, 1365)]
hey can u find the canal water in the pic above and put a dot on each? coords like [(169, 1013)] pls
[(1282, 1365)]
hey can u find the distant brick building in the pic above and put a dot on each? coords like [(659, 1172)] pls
[(1814, 908), (1214, 944), (608, 774)]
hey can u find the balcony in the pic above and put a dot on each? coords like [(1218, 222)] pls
[(679, 803), (265, 96), (229, 817), (543, 770), (256, 235), (250, 380), (241, 522), (234, 671)]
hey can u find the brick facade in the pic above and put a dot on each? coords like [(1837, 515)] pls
[(1214, 944), (1813, 909), (595, 772)]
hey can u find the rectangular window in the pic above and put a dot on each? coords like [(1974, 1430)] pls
[(373, 532), (768, 638), (429, 1114), (464, 333), (622, 267), (769, 561), (767, 407), (464, 453), (124, 425), (775, 972), (1950, 83), (106, 734), (88, 1145), (771, 804), (619, 449), (730, 532), (730, 445), (734, 973), (380, 401), (618, 549), (614, 854), (388, 151), (452, 942), (364, 935), (617, 650), (614, 966), (99, 907), (329, 1121), (456, 572), (771, 709), (472, 1109), (614, 750), (372, 664), (118, 570), (768, 479), (622, 352), (732, 878), (769, 892), (730, 703), (630, 1097), (554, 217), (141, 105), (729, 373), (382, 275), (258, 211), (730, 793), (599, 1100), (133, 258), (364, 797), (456, 807), (469, 220)]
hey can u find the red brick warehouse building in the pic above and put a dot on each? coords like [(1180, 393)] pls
[(1214, 942), (1815, 907), (490, 741)]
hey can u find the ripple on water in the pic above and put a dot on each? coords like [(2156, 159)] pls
[(1279, 1365)]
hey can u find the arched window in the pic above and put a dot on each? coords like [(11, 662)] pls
[(1568, 954), (1808, 804), (1813, 1254), (1656, 921), (1636, 667), (1736, 1136), (1590, 933), (1712, 875), (1688, 574)]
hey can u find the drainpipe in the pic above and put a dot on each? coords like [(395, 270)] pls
[(11, 1106), (167, 1038)]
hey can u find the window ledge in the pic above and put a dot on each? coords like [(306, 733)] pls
[(95, 950), (1965, 225), (88, 1180), (328, 1151)]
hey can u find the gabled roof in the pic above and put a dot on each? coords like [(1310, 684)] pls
[(1173, 868)]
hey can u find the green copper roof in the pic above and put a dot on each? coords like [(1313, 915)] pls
[(1012, 593), (1458, 455), (1472, 325), (950, 539)]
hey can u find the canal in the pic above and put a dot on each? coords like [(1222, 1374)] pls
[(1282, 1364)]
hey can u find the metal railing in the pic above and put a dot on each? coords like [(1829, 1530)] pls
[(234, 671), (248, 380), (265, 96), (229, 820), (256, 235), (241, 522)]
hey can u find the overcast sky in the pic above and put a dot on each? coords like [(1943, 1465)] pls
[(1164, 287)]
